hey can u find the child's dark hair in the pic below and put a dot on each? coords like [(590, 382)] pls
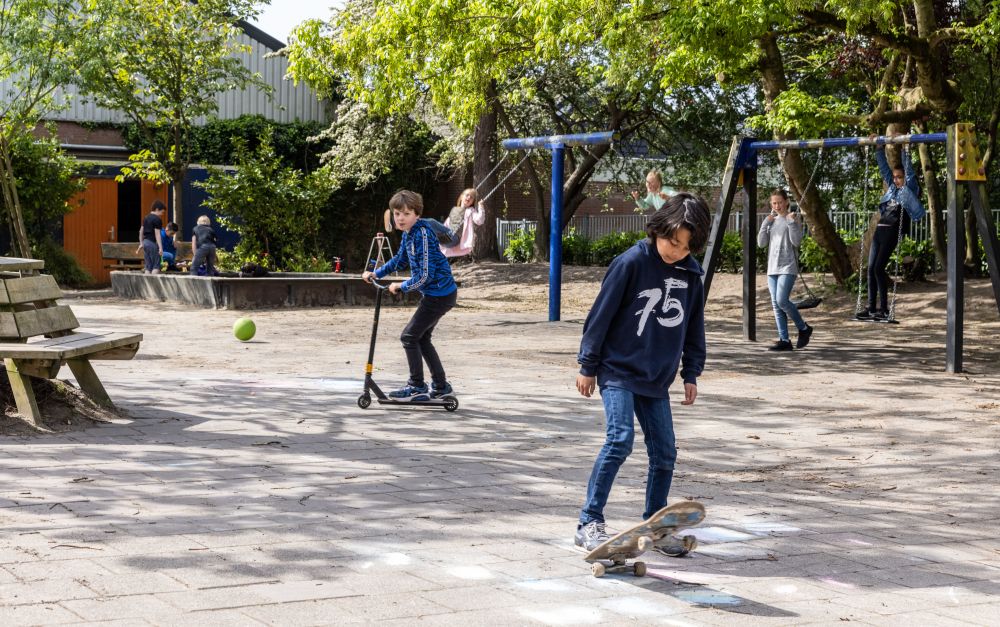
[(681, 210), (158, 206), (405, 199), (172, 226)]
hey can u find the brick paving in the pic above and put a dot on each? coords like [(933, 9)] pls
[(248, 488)]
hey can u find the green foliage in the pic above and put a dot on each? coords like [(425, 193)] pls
[(812, 257), (916, 259), (276, 210), (214, 143), (162, 63), (520, 246), (46, 180), (575, 249), (60, 264), (731, 254), (308, 264), (607, 247)]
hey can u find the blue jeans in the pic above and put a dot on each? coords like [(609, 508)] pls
[(780, 286), (658, 430)]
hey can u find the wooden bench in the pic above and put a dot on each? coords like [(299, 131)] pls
[(37, 337), (123, 255)]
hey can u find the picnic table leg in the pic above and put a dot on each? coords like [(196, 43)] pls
[(24, 395), (88, 380)]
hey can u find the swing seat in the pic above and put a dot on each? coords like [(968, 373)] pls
[(808, 302)]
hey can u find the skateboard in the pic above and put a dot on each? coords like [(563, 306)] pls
[(638, 539)]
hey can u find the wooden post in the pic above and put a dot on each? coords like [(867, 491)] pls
[(956, 260), (729, 186), (89, 381), (750, 253), (24, 395)]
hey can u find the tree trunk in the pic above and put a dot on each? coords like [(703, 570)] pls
[(821, 228), (177, 188), (972, 249), (935, 208), (19, 239), (484, 147)]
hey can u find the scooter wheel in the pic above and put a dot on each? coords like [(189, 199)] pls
[(450, 403), (364, 401)]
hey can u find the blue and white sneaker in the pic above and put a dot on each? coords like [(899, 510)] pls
[(442, 390), (410, 393)]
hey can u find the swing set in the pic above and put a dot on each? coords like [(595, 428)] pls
[(966, 176)]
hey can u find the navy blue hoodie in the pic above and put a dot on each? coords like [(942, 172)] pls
[(648, 317)]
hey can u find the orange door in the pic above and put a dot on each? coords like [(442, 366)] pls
[(94, 219)]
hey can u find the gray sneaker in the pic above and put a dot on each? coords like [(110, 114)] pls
[(591, 535), (672, 546)]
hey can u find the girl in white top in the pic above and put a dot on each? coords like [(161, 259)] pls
[(781, 232), (655, 196), (467, 214)]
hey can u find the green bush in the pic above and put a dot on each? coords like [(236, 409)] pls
[(812, 257), (731, 254), (520, 246), (915, 258), (576, 249), (606, 248), (276, 210), (63, 267)]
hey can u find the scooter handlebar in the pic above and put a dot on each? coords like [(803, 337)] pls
[(378, 284)]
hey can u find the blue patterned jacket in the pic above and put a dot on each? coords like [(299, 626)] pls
[(419, 250)]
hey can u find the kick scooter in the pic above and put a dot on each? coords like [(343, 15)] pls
[(449, 403)]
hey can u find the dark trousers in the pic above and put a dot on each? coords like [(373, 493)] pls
[(884, 242), (416, 338), (204, 255)]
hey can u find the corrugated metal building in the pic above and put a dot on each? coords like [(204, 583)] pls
[(111, 211)]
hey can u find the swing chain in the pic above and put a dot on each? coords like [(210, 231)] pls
[(861, 242), (504, 179), (904, 154), (493, 171), (819, 160)]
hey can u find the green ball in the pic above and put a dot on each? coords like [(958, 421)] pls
[(244, 329)]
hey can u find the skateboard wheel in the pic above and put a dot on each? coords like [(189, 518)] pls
[(364, 401), (645, 543), (450, 403), (639, 568), (597, 569)]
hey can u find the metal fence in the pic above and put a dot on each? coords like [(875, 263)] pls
[(593, 227)]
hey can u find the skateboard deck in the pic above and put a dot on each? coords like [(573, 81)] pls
[(638, 539)]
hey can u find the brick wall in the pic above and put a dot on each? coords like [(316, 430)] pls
[(73, 133)]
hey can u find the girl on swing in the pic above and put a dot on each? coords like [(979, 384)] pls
[(898, 206), (781, 233), (457, 235)]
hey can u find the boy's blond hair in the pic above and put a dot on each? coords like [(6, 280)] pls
[(205, 220), (405, 199)]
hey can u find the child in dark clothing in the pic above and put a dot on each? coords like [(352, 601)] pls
[(203, 243), (431, 276), (151, 238), (169, 236), (899, 205), (648, 318)]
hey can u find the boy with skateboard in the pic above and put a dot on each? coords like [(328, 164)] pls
[(431, 276), (648, 318)]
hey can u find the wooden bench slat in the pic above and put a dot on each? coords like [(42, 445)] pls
[(32, 288), (70, 346), (123, 252), (32, 322), (28, 313)]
